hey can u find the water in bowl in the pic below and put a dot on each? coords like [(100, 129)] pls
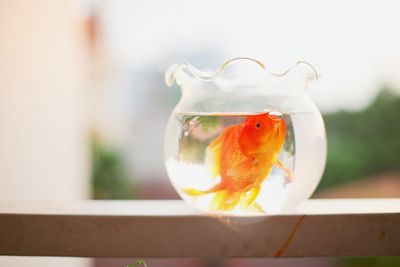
[(188, 164)]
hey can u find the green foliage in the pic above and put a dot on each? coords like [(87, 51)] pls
[(139, 262), (363, 143), (192, 149), (109, 179), (207, 123)]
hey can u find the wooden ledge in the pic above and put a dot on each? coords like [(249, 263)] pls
[(171, 228)]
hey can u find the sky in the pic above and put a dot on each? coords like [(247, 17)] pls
[(353, 44)]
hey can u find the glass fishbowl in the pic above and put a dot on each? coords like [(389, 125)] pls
[(243, 139)]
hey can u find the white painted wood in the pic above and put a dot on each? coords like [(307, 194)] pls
[(173, 229)]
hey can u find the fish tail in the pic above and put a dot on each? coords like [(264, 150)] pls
[(251, 196), (228, 200), (195, 192), (225, 200)]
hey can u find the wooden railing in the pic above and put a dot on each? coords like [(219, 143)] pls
[(173, 229)]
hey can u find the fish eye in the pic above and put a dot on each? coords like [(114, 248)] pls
[(258, 125)]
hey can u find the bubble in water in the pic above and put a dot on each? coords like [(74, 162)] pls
[(275, 115)]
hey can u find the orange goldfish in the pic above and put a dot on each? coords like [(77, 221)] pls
[(243, 156)]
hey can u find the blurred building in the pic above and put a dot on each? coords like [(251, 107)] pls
[(44, 156)]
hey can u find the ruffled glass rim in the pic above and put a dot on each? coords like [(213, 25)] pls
[(170, 75)]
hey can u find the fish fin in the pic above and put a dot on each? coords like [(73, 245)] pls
[(195, 192), (249, 199), (256, 207), (288, 172), (218, 201), (213, 156), (225, 200), (222, 200)]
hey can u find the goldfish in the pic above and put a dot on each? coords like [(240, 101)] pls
[(243, 155)]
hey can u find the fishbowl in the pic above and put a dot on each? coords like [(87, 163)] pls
[(243, 139)]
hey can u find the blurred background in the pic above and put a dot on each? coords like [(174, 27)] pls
[(83, 104)]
